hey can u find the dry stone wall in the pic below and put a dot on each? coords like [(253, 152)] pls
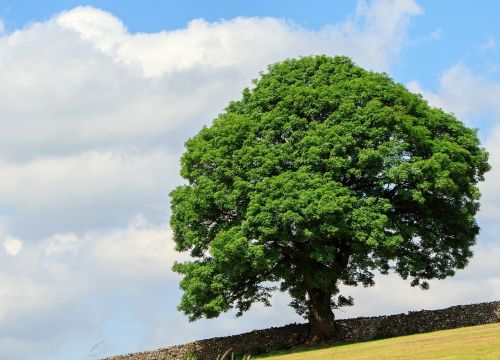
[(369, 328), (358, 329)]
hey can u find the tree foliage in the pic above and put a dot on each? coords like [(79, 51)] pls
[(322, 174)]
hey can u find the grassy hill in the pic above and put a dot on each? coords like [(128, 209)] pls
[(474, 342)]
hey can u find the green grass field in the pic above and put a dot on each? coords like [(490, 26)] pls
[(475, 342)]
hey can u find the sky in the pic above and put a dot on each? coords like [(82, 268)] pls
[(97, 100)]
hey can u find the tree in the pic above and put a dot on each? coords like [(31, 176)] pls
[(322, 174)]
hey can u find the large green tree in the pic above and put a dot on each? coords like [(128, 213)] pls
[(322, 174)]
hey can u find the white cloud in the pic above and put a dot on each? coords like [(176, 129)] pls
[(140, 253), (61, 243), (436, 34), (89, 190), (95, 25), (373, 35), (91, 84), (463, 92), (41, 288), (489, 44), (12, 246), (426, 38)]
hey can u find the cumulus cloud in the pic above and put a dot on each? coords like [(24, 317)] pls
[(467, 94), (139, 254), (88, 190), (12, 246), (372, 36), (427, 38), (41, 288), (82, 81), (489, 44)]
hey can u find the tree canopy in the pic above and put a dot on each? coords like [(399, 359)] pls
[(322, 174)]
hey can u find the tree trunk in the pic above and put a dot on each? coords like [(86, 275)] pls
[(321, 318)]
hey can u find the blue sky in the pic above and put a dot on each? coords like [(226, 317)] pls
[(97, 100)]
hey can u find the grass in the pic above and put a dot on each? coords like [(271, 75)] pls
[(474, 342)]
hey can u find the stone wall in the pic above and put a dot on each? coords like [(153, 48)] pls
[(358, 329), (369, 328)]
